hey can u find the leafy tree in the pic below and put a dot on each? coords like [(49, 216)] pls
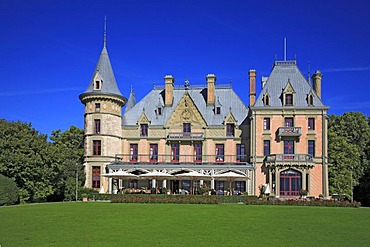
[(8, 191), (354, 128), (68, 148), (25, 156), (345, 169)]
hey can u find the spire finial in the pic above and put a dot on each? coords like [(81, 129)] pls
[(186, 83), (284, 48), (105, 30), (309, 73)]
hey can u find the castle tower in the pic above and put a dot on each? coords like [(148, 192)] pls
[(102, 121)]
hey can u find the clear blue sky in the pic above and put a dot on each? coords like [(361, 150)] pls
[(49, 49)]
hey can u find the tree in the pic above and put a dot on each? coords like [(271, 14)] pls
[(25, 157), (354, 128), (68, 148), (8, 191)]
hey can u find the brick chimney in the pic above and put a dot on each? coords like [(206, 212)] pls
[(168, 80), (211, 80), (252, 86), (316, 80)]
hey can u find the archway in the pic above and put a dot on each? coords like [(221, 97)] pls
[(290, 183)]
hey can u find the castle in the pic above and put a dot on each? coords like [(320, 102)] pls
[(276, 145)]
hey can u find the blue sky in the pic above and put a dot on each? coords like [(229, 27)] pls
[(49, 49)]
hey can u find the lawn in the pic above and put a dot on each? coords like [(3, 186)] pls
[(107, 224)]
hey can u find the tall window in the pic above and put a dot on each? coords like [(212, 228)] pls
[(96, 147), (239, 186), (288, 147), (311, 147), (266, 147), (133, 152), (230, 129), (219, 187), (218, 110), (153, 152), (96, 177), (288, 122), (186, 127), (96, 126), (97, 107), (97, 85), (197, 152), (311, 124), (175, 152), (240, 153), (288, 99), (310, 100), (219, 152), (266, 123), (143, 129)]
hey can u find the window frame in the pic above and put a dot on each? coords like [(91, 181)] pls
[(266, 147), (175, 152), (97, 151), (97, 125), (144, 130), (230, 130), (198, 152), (266, 123), (220, 152), (289, 122), (240, 152), (311, 147), (95, 177), (287, 145), (153, 152), (311, 124)]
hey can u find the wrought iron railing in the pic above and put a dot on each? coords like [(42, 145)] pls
[(180, 159), (290, 131), (185, 136), (289, 157)]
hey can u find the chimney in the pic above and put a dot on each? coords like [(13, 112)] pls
[(168, 80), (211, 79), (252, 87), (316, 79)]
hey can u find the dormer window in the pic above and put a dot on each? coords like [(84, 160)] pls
[(288, 95), (288, 99), (218, 110), (97, 85), (159, 111), (310, 99), (230, 129), (266, 99)]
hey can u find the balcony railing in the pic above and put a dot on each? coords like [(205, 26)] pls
[(180, 159), (185, 136), (289, 159), (290, 131)]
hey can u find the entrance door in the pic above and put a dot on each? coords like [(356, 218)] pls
[(290, 183)]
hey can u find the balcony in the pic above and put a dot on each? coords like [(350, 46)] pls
[(289, 160), (181, 159), (188, 136), (289, 132)]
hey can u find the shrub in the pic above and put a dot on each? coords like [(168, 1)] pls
[(9, 192)]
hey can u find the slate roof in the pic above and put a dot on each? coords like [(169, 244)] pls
[(131, 101), (105, 71), (226, 97), (278, 80)]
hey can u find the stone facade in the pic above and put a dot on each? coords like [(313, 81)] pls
[(208, 130)]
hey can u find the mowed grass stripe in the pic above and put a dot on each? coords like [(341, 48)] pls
[(106, 224)]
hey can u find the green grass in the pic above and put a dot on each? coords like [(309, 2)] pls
[(106, 224)]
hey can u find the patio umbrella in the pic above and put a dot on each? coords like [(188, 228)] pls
[(192, 175), (156, 175), (120, 175), (230, 176), (267, 189)]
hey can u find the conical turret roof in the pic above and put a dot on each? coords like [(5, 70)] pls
[(131, 101), (104, 72)]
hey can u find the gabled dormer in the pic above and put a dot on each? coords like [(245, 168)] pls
[(218, 107), (266, 99), (310, 98), (97, 82), (143, 123), (230, 124), (288, 95)]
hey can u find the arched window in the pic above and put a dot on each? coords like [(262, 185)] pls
[(290, 183)]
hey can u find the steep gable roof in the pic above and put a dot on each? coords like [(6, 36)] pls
[(228, 100), (283, 74)]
